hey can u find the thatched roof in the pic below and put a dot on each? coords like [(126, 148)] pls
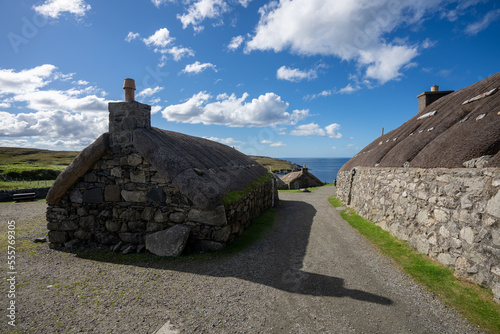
[(458, 127), (203, 170), (78, 167), (292, 176)]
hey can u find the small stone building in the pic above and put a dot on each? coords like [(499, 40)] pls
[(435, 181), (301, 179), (137, 186)]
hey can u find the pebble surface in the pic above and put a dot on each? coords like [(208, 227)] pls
[(311, 274)]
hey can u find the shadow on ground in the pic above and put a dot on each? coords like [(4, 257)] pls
[(274, 261)]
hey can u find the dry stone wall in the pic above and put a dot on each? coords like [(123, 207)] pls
[(123, 199), (452, 215)]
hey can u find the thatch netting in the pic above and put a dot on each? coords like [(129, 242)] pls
[(454, 134), (203, 170)]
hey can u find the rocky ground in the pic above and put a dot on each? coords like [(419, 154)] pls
[(311, 274)]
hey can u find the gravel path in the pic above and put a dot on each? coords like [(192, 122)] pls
[(311, 274)]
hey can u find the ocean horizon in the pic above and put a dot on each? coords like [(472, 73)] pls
[(325, 169)]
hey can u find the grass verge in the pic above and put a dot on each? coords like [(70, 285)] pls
[(471, 300)]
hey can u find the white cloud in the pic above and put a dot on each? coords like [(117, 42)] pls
[(244, 3), (54, 8), (348, 89), (149, 91), (313, 129), (353, 30), (476, 27), (200, 10), (294, 74), (161, 38), (235, 42), (26, 80), (266, 110), (198, 67), (131, 36), (331, 131), (178, 53), (155, 109), (52, 124), (385, 63), (227, 141), (272, 143), (158, 3), (77, 113)]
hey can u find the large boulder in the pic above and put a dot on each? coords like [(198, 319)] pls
[(170, 242)]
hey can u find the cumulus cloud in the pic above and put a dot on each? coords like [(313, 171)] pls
[(198, 67), (12, 82), (77, 113), (51, 124), (235, 42), (313, 129), (352, 30), (294, 74), (149, 91), (54, 8), (266, 110), (200, 10), (161, 38), (163, 44)]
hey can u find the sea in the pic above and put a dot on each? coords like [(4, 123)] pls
[(324, 169)]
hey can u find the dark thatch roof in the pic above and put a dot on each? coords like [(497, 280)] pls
[(203, 170), (458, 127), (293, 176)]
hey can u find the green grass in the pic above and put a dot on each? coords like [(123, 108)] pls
[(334, 201), (473, 301), (238, 195), (33, 164), (276, 165), (258, 229)]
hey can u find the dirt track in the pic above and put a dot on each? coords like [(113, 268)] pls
[(311, 274)]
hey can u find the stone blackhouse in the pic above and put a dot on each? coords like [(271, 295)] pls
[(140, 187), (300, 179), (435, 181)]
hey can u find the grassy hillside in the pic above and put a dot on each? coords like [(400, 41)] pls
[(277, 165), (33, 164)]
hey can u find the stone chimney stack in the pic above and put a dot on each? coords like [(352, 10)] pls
[(126, 116), (427, 98)]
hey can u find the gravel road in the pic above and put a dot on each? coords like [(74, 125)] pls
[(311, 274)]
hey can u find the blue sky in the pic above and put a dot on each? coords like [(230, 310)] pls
[(289, 78)]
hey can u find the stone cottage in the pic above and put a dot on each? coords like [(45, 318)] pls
[(301, 179), (435, 180), (140, 187)]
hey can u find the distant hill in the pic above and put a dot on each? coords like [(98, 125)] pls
[(32, 163), (280, 166)]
